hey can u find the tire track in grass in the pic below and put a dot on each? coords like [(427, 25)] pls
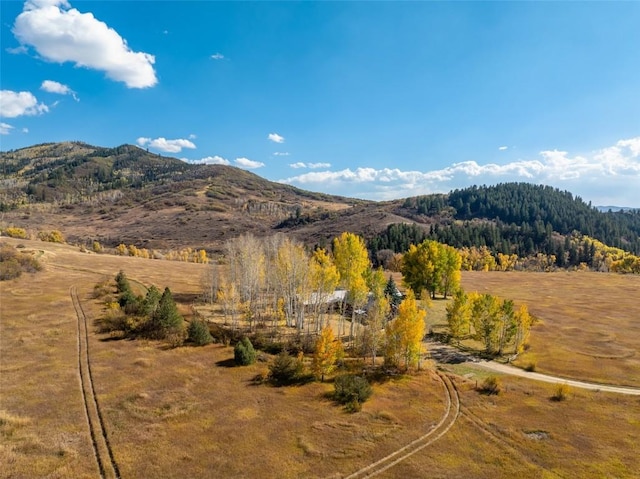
[(103, 453), (511, 446), (452, 410)]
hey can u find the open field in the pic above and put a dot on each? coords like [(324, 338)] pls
[(184, 413), (589, 325)]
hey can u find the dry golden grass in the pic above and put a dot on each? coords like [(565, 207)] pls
[(524, 433), (588, 327), (183, 413)]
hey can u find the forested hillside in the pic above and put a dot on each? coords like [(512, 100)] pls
[(516, 218)]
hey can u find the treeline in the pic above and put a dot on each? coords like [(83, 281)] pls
[(486, 246), (543, 227), (523, 212)]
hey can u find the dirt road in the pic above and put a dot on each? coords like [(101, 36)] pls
[(444, 353), (513, 371)]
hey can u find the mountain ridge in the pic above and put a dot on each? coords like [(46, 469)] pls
[(129, 195)]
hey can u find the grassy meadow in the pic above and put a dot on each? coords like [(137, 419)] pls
[(589, 323), (184, 412)]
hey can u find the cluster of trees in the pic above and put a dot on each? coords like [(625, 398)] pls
[(187, 255), (486, 318), (155, 315), (276, 281), (433, 267)]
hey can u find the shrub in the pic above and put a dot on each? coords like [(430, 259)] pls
[(14, 232), (129, 302), (243, 352), (122, 283), (562, 392), (492, 385), (13, 263), (352, 391), (198, 333), (53, 236), (285, 369)]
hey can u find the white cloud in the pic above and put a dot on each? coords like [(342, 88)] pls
[(13, 104), (275, 138), (318, 165), (217, 56), (248, 164), (312, 166), (502, 148), (62, 34), (609, 176), (5, 128), (192, 136), (280, 153), (19, 50), (55, 87), (210, 160), (633, 144), (162, 144), (25, 130)]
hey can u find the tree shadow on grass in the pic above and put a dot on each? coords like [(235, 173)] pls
[(109, 339), (226, 363), (186, 298)]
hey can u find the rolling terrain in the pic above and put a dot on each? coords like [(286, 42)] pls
[(80, 403), (128, 195)]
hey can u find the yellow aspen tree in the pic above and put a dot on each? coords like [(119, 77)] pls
[(486, 318), (451, 276), (228, 297), (405, 333), (202, 257), (133, 250), (459, 315), (293, 273), (352, 260), (523, 321), (376, 315), (324, 280), (121, 249), (326, 354), (246, 259)]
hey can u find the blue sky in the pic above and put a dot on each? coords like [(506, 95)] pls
[(375, 100)]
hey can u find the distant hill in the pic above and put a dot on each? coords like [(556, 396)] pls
[(516, 218), (605, 209), (129, 195)]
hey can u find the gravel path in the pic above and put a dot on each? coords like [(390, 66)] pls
[(513, 371), (447, 354)]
